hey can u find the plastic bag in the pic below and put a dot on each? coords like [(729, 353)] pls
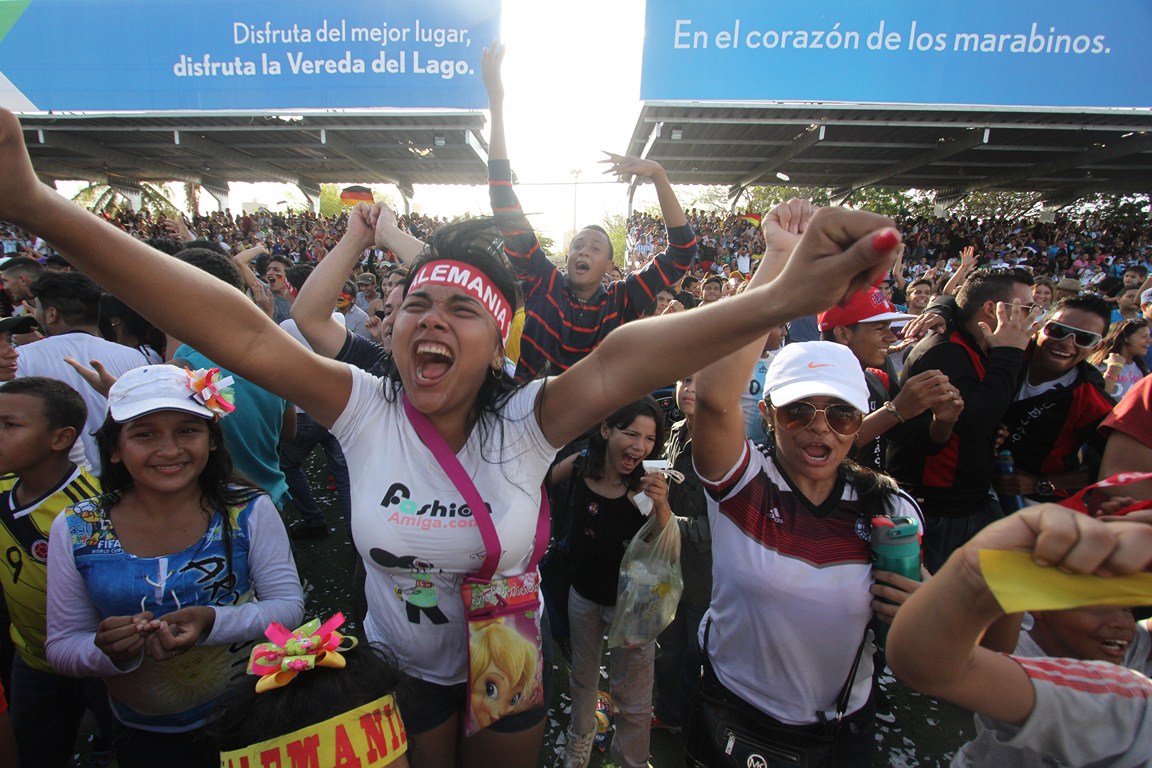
[(650, 585)]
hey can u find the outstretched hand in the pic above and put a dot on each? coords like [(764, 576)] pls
[(625, 165), (490, 64), (840, 253), (97, 376)]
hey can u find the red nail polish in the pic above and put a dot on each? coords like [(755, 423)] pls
[(886, 240)]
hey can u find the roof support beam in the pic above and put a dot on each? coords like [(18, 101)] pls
[(812, 136), (348, 151), (127, 162), (232, 157), (947, 148), (1122, 147)]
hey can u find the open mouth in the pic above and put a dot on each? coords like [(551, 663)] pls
[(432, 361), (581, 267), (169, 469), (1114, 648), (628, 463), (817, 453)]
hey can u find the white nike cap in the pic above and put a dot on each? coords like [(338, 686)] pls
[(815, 369)]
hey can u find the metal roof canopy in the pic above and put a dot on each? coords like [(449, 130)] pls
[(404, 148), (1063, 154)]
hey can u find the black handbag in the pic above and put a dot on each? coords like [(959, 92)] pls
[(727, 732)]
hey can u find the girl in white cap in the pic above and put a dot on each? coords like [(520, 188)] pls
[(159, 584)]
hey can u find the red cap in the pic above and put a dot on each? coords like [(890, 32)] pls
[(868, 306)]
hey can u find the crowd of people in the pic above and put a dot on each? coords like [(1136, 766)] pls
[(488, 422)]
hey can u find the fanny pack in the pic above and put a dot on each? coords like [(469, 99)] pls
[(727, 732), (505, 663)]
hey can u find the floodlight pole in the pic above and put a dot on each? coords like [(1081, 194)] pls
[(575, 179)]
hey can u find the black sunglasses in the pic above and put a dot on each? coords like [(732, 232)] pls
[(842, 419), (1083, 339)]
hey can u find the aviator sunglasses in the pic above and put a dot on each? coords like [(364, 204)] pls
[(842, 419), (1083, 339)]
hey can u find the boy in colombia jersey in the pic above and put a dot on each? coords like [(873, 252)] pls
[(40, 419)]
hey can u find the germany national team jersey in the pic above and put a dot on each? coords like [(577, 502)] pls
[(24, 539)]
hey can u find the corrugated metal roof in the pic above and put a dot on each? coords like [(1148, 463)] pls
[(846, 147)]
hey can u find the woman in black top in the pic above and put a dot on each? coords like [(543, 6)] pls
[(604, 519)]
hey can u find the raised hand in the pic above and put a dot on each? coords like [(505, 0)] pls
[(840, 253), (784, 224), (1013, 325), (490, 64), (624, 165)]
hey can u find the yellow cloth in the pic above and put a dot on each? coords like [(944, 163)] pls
[(369, 736), (1019, 584)]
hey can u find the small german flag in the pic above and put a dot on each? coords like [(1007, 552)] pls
[(753, 218), (353, 195)]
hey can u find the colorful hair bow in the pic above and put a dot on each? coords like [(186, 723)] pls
[(212, 392), (290, 653)]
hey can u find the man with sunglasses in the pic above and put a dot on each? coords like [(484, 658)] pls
[(1059, 404), (983, 357)]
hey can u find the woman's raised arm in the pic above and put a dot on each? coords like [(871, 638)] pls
[(202, 311)]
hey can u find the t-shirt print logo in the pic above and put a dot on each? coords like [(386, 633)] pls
[(819, 365)]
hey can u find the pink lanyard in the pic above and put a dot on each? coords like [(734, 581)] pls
[(459, 477)]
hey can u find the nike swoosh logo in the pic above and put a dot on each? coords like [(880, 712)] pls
[(819, 365)]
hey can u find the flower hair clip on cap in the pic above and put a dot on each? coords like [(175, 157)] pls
[(153, 388), (211, 391), (290, 653)]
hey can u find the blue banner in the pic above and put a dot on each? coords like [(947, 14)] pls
[(159, 55), (1027, 53)]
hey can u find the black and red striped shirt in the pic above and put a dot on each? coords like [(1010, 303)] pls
[(559, 328)]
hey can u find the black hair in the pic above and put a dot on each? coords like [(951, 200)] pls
[(1139, 269), (622, 418), (24, 265), (1117, 336), (920, 281), (206, 245), (276, 258), (134, 323), (245, 717), (63, 406), (167, 245), (988, 284), (601, 230), (714, 279), (214, 263), (1086, 302), (75, 296), (297, 275)]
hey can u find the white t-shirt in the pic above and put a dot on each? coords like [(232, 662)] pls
[(791, 595), (1004, 746), (413, 529), (750, 401), (46, 358)]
